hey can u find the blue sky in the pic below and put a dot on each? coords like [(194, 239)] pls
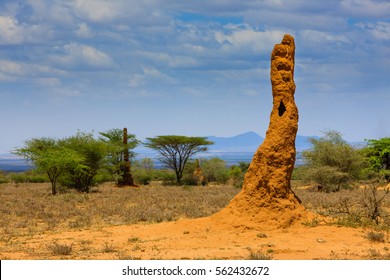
[(190, 67)]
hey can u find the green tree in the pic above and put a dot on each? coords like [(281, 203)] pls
[(378, 155), (215, 170), (120, 146), (93, 152), (175, 150), (47, 155), (237, 173), (332, 162)]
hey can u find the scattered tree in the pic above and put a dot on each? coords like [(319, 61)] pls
[(120, 147), (215, 170), (331, 162), (93, 152), (48, 156), (378, 155), (176, 150), (372, 200), (237, 173)]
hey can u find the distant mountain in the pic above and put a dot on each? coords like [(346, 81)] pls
[(243, 143), (249, 142), (246, 142)]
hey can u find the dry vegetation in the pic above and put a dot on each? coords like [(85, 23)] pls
[(31, 209), (28, 210)]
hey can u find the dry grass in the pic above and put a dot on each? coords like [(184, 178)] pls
[(28, 209), (346, 206)]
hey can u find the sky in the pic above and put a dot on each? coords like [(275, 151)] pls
[(196, 68)]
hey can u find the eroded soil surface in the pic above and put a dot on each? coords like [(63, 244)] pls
[(202, 238)]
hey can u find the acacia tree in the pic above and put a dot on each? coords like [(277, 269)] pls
[(120, 146), (175, 150), (331, 162), (378, 154), (48, 156), (93, 152)]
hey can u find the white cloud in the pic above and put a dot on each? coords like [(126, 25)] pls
[(78, 55), (140, 12), (382, 31), (48, 82), (83, 31), (243, 38), (324, 37), (12, 32), (52, 11), (151, 76), (166, 59), (379, 30), (375, 8), (9, 68)]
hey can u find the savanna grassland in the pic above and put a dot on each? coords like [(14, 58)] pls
[(165, 222)]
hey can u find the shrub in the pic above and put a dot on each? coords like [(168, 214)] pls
[(258, 255), (327, 177), (215, 170), (376, 236), (332, 162), (27, 177), (61, 249)]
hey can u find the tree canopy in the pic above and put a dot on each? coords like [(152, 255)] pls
[(175, 150), (378, 154), (50, 157), (332, 162), (121, 145)]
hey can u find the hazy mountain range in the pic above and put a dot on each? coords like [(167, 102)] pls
[(243, 143), (249, 142), (231, 149)]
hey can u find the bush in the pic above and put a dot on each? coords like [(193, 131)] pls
[(142, 177), (376, 236), (237, 173), (332, 162), (27, 177), (215, 170), (61, 249), (168, 177), (327, 177)]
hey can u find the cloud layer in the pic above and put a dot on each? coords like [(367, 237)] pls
[(213, 55)]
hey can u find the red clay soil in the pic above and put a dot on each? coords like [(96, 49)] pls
[(202, 238)]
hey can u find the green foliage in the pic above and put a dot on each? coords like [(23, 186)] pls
[(71, 162), (237, 173), (188, 177), (51, 157), (378, 157), (118, 151), (175, 150), (144, 172), (330, 178), (27, 177), (332, 162), (215, 170), (93, 152)]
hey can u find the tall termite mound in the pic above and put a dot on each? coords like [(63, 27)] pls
[(127, 178), (266, 197)]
